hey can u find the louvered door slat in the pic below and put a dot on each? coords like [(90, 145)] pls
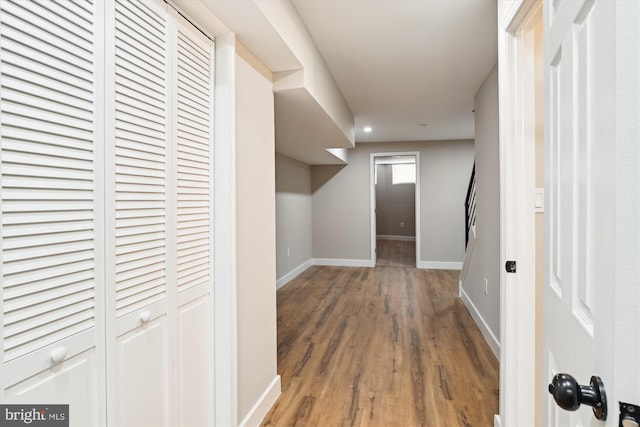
[(195, 119), (127, 100), (193, 165), (72, 304), (58, 284), (144, 16), (75, 291), (136, 84), (135, 52), (47, 157), (140, 156), (65, 39), (49, 104), (55, 329), (21, 69), (77, 16), (46, 54), (39, 219)]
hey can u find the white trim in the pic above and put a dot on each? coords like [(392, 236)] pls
[(372, 200), (262, 406), (225, 269), (399, 238), (467, 255), (517, 226), (337, 262), (439, 265), (496, 421), (293, 274), (343, 262), (488, 335)]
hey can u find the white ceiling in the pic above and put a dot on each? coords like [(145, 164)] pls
[(403, 63)]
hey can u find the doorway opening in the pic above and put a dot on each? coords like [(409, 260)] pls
[(395, 209)]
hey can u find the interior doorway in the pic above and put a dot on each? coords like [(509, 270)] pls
[(395, 209)]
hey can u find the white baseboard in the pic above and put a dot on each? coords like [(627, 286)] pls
[(336, 262), (496, 421), (333, 262), (400, 238), (488, 335), (437, 265), (263, 405), (293, 274), (344, 262)]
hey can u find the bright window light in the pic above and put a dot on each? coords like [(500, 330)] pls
[(404, 173)]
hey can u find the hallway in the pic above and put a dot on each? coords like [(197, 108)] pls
[(395, 253), (384, 346)]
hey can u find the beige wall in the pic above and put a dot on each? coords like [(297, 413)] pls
[(341, 205), (485, 258), (395, 205), (293, 214), (255, 203)]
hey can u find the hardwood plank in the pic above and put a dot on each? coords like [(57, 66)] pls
[(395, 253), (384, 346)]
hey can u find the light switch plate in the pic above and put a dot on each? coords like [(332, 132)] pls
[(539, 200)]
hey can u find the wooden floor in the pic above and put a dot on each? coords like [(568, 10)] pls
[(384, 346), (395, 253)]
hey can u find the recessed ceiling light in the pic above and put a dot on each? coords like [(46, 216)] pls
[(367, 129)]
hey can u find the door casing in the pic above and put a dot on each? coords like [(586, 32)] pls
[(516, 22), (372, 198)]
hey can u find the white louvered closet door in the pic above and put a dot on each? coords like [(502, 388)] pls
[(106, 124), (138, 213), (50, 267), (192, 151), (160, 261)]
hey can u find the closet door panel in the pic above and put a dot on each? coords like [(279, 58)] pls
[(72, 383), (195, 371), (49, 261), (143, 376), (137, 168), (193, 130)]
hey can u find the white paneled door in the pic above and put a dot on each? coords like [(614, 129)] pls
[(106, 261), (584, 230)]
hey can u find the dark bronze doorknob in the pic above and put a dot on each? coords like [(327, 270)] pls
[(569, 395)]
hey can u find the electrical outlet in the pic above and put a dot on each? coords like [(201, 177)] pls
[(402, 225), (486, 286), (288, 251)]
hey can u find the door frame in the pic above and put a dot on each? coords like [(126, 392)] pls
[(372, 198), (517, 218)]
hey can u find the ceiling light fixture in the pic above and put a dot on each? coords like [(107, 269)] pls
[(367, 129), (423, 125)]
